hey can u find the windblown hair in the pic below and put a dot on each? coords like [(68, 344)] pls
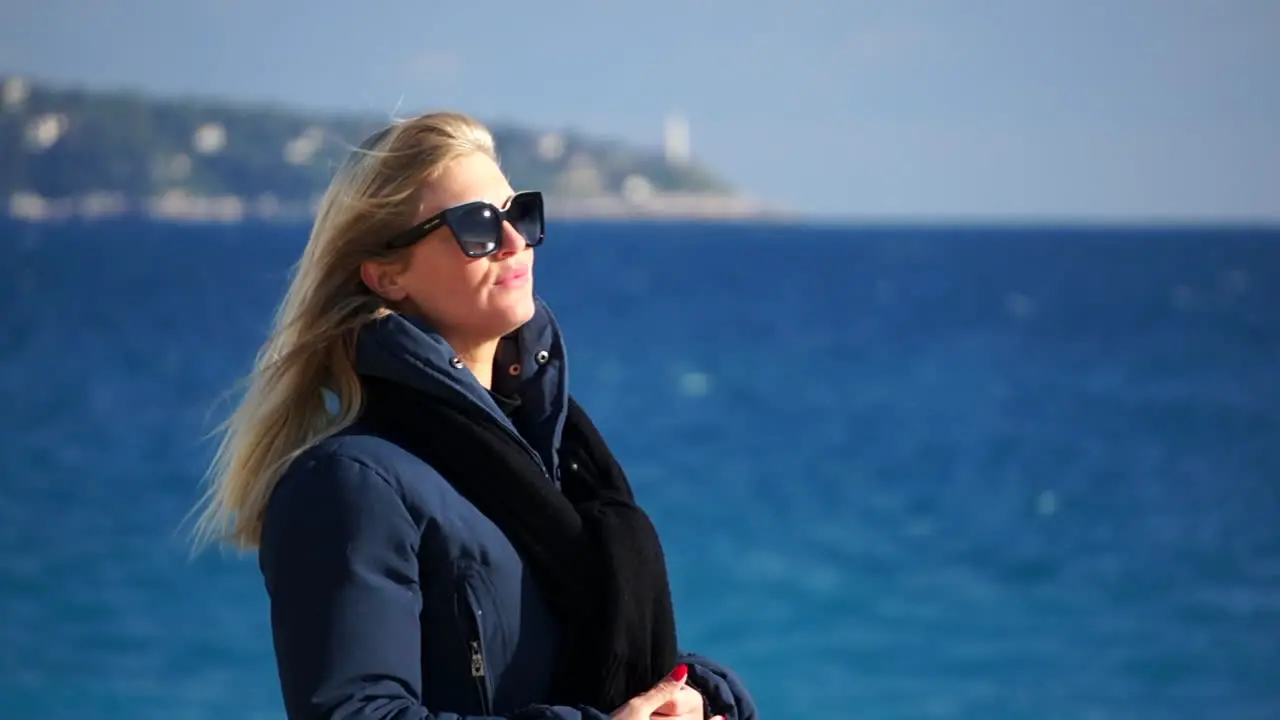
[(310, 350)]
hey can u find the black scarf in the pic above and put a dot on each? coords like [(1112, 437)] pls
[(594, 553)]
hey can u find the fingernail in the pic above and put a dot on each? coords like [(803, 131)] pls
[(680, 673)]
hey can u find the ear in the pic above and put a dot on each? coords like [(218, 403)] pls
[(384, 279)]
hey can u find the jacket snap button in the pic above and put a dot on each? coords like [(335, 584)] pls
[(456, 362), (542, 357), (514, 369)]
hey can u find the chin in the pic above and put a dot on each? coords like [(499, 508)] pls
[(515, 311)]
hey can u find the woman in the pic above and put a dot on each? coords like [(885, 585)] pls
[(441, 529)]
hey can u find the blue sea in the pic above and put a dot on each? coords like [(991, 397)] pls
[(900, 473)]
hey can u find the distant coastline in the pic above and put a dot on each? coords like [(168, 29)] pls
[(180, 206), (74, 154)]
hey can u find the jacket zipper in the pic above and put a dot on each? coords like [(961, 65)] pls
[(475, 648)]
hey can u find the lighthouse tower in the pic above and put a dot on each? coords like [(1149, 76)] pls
[(675, 139)]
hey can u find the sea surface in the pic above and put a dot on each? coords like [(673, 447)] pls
[(900, 473)]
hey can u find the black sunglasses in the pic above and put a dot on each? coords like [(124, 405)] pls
[(477, 226)]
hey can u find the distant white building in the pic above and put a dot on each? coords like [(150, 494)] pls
[(675, 139), (44, 130), (550, 146), (637, 189), (209, 138), (300, 150), (16, 91)]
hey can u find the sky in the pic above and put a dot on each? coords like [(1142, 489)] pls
[(1125, 110)]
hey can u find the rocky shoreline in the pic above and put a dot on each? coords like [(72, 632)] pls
[(178, 206)]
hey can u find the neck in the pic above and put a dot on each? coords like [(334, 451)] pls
[(478, 357)]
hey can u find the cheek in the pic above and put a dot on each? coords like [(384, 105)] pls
[(444, 285)]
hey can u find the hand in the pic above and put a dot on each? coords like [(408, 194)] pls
[(686, 705), (646, 704)]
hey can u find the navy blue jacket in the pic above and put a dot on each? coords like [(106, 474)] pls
[(391, 595)]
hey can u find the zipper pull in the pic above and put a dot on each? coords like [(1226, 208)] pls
[(477, 660)]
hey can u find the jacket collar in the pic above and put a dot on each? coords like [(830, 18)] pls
[(530, 365)]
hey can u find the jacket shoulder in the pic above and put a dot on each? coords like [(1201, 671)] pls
[(376, 454), (365, 463)]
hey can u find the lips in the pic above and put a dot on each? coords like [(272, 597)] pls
[(513, 276)]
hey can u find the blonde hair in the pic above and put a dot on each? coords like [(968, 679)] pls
[(310, 350)]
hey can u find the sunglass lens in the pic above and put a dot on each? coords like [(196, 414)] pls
[(479, 230), (525, 215)]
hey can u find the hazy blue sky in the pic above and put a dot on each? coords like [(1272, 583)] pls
[(1005, 108)]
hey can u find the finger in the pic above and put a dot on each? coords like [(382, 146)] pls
[(685, 701), (665, 690)]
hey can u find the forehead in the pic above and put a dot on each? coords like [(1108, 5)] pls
[(466, 179)]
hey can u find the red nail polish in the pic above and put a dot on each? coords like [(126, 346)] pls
[(680, 673)]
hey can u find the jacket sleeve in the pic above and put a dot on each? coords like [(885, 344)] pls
[(339, 557), (722, 690)]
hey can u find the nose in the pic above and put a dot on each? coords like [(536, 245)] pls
[(512, 241)]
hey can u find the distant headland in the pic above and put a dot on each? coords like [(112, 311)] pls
[(73, 153)]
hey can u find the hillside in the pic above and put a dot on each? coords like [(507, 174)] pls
[(79, 153)]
